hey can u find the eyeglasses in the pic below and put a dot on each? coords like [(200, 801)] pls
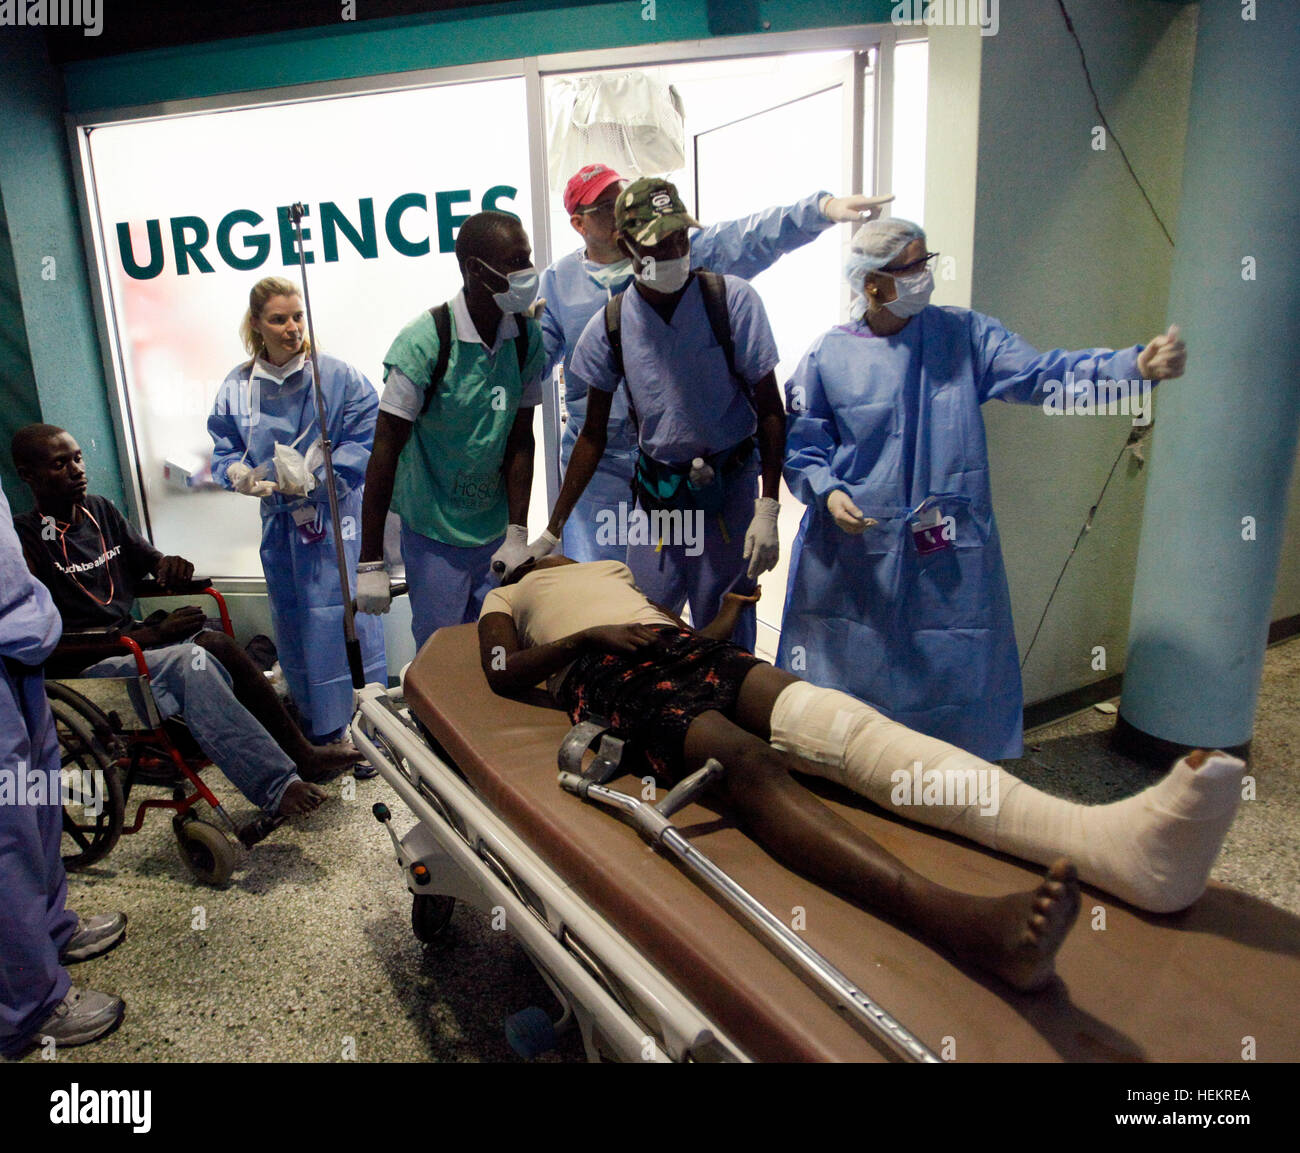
[(597, 210), (914, 266)]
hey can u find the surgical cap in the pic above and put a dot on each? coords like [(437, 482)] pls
[(874, 245)]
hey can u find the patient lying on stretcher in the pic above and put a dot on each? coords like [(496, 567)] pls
[(684, 695)]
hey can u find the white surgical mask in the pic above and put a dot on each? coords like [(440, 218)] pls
[(522, 291), (665, 275), (913, 293)]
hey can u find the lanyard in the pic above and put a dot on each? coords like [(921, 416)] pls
[(103, 550)]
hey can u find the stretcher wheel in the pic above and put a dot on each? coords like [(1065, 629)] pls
[(87, 836), (530, 1032), (430, 914), (206, 850)]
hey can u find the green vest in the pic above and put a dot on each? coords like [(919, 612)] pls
[(449, 484)]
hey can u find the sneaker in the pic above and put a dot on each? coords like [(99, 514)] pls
[(94, 935), (81, 1017)]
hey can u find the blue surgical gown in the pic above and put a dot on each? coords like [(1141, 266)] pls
[(741, 248), (927, 639), (302, 579)]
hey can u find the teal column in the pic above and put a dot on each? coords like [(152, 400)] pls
[(1226, 434)]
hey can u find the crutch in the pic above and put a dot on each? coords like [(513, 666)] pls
[(654, 824), (350, 641)]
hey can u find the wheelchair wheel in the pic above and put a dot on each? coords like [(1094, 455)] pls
[(209, 853), (430, 915), (94, 805)]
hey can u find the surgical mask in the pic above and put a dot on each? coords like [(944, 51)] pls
[(665, 275), (610, 276), (913, 293), (522, 291)]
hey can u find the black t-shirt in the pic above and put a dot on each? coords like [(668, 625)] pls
[(91, 568)]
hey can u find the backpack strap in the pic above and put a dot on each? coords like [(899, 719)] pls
[(614, 330), (441, 314), (521, 345), (714, 289)]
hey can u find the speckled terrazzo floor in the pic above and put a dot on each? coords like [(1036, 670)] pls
[(310, 949)]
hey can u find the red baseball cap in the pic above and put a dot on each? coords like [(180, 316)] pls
[(586, 184)]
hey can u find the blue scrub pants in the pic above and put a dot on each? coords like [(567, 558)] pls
[(610, 486), (671, 578), (446, 584), (34, 924), (189, 680)]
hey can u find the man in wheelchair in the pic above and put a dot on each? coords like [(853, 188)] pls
[(93, 562)]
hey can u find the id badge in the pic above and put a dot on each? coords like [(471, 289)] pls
[(927, 531), (310, 527)]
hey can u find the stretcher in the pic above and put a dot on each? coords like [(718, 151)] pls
[(651, 967)]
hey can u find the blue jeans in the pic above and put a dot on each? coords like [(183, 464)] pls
[(189, 680)]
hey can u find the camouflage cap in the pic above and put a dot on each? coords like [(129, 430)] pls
[(649, 209)]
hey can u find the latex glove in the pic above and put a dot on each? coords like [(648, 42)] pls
[(515, 554), (1165, 357), (853, 209), (372, 591), (244, 480), (846, 514), (292, 476), (534, 311), (762, 544)]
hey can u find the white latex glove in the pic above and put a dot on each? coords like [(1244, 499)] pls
[(515, 553), (853, 209), (292, 476), (1165, 357), (846, 514), (762, 544), (242, 480), (534, 311), (372, 592)]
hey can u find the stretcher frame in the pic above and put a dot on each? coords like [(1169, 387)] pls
[(624, 1007)]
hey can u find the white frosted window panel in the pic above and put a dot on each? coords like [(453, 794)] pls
[(179, 333), (911, 62)]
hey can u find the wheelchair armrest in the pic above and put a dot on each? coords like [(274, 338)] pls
[(200, 586), (81, 648)]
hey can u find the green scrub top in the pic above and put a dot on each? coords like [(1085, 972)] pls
[(449, 484)]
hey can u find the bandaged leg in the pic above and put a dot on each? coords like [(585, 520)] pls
[(1154, 849)]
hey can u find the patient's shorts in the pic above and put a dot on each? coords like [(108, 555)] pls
[(650, 697)]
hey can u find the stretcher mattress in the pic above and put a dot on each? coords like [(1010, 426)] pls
[(1133, 986)]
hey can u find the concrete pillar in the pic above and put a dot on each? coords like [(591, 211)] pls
[(1226, 434)]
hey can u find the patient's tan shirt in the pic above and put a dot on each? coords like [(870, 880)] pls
[(553, 603)]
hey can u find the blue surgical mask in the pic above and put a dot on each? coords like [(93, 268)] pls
[(522, 291), (610, 277)]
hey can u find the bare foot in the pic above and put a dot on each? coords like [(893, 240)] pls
[(1016, 937), (301, 797), (325, 761)]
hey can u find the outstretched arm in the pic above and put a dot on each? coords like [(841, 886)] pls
[(586, 456), (391, 435)]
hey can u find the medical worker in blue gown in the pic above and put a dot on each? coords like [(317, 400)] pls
[(577, 286), (263, 427), (897, 593), (38, 934)]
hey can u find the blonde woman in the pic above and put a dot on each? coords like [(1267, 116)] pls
[(268, 403)]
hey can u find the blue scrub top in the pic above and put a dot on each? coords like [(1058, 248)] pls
[(686, 402)]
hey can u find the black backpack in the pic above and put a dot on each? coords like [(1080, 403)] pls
[(714, 289), (441, 314)]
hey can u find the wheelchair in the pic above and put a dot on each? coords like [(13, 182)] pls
[(112, 740)]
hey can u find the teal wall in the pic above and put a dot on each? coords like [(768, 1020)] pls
[(58, 324), (17, 381)]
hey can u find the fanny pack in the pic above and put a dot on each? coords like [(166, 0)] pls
[(656, 485)]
